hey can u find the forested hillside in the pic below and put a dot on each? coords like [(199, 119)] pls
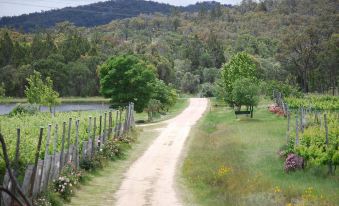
[(295, 42), (95, 14)]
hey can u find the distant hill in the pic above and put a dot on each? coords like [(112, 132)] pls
[(95, 14)]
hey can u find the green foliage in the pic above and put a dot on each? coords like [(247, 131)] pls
[(41, 93), (315, 102), (287, 90), (30, 125), (21, 109), (114, 149), (153, 107), (2, 90), (50, 97), (245, 92), (35, 88), (6, 52), (94, 163), (240, 66), (312, 145), (190, 82), (67, 181), (127, 78), (207, 90), (166, 95), (74, 46)]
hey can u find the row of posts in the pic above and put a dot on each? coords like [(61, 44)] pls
[(38, 176), (300, 118)]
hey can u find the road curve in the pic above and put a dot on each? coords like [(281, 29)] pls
[(150, 179)]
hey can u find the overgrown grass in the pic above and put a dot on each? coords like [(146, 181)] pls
[(235, 162)]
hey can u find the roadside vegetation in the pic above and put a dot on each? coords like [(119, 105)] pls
[(235, 162)]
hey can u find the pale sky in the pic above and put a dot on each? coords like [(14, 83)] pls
[(18, 7)]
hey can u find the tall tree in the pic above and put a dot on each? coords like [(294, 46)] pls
[(6, 50), (127, 78), (240, 66)]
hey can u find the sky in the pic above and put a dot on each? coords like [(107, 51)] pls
[(18, 7)]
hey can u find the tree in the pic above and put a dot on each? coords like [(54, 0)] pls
[(50, 97), (240, 66), (299, 53), (166, 95), (40, 92), (6, 50), (190, 82), (2, 90), (127, 78), (245, 93)]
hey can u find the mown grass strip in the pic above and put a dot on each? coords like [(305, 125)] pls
[(235, 162)]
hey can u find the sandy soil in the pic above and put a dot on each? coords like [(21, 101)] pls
[(150, 180)]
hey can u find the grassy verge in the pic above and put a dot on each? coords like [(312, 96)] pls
[(63, 100), (235, 162), (179, 106)]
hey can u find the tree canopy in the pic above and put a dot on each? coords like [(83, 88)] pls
[(240, 66), (127, 78)]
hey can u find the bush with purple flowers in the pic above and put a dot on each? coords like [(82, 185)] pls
[(293, 162)]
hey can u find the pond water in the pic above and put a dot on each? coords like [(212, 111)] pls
[(66, 107)]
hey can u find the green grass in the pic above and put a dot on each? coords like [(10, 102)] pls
[(9, 100), (235, 162), (178, 107)]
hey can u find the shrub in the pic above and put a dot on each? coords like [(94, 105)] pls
[(245, 92), (207, 90), (47, 198), (67, 180), (287, 90), (293, 162), (116, 148), (94, 163), (21, 109)]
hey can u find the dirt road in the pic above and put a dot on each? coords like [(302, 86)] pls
[(150, 179)]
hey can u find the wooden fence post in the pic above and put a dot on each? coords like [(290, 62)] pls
[(100, 132), (94, 139), (105, 132), (69, 140), (288, 127), (16, 163), (55, 163), (77, 144), (30, 191), (116, 124), (88, 153), (120, 125), (62, 147), (46, 162), (89, 127), (109, 125), (296, 131)]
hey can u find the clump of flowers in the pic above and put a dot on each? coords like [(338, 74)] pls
[(67, 180), (223, 170), (277, 189), (274, 108), (293, 162), (41, 201), (116, 148)]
